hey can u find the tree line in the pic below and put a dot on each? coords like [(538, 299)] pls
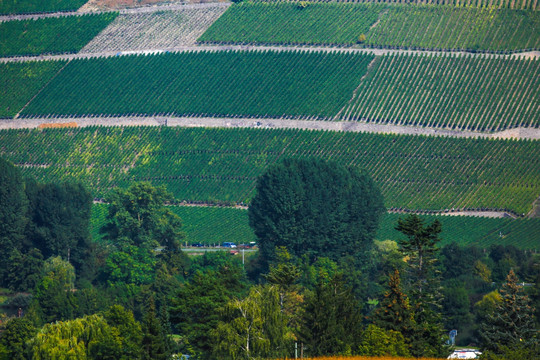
[(320, 284)]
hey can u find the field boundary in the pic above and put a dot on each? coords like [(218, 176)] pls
[(265, 123)]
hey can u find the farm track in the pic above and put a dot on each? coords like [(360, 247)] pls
[(352, 126), (193, 48)]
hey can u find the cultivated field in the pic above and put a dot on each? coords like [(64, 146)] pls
[(66, 34), (157, 30), (37, 6), (222, 165), (378, 25)]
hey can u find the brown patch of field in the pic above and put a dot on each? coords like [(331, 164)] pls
[(126, 4), (57, 125)]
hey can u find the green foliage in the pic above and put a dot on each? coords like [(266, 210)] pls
[(60, 220), (394, 312), (316, 208), (36, 6), (194, 311), (254, 327), (423, 283), (20, 81), (16, 333), (207, 83), (13, 209), (222, 165), (511, 326), (378, 342), (138, 222), (24, 271), (154, 341), (331, 320), (66, 34), (403, 26)]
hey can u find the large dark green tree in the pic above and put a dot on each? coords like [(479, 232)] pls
[(13, 213), (60, 220), (315, 207), (423, 283)]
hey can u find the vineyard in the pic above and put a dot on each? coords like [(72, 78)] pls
[(424, 27), (206, 225), (226, 84), (222, 165), (470, 93), (450, 92), (502, 4), (289, 23), (66, 34), (19, 82), (158, 30), (38, 6), (214, 225)]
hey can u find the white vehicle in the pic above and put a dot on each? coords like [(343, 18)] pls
[(465, 354)]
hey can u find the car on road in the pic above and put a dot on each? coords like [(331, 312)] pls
[(229, 245)]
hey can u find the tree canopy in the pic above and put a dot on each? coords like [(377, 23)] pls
[(315, 207)]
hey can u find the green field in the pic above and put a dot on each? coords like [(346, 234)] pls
[(38, 6), (426, 27), (205, 83), (19, 82), (214, 225), (222, 165), (66, 34), (472, 93)]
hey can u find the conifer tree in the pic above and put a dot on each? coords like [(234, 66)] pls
[(154, 342), (395, 311), (511, 325)]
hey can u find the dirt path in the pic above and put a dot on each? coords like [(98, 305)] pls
[(378, 52), (28, 123)]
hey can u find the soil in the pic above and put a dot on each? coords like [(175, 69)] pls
[(101, 5)]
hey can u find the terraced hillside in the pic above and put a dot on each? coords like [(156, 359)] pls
[(222, 165), (404, 26), (214, 225), (156, 30), (468, 93)]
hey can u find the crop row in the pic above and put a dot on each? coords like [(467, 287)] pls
[(473, 93), (450, 92), (38, 6), (223, 83), (157, 30), (222, 165), (496, 4), (19, 82), (214, 225), (424, 27), (66, 34)]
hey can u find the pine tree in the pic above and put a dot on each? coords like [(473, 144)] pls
[(511, 325), (395, 311), (154, 340), (423, 280)]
